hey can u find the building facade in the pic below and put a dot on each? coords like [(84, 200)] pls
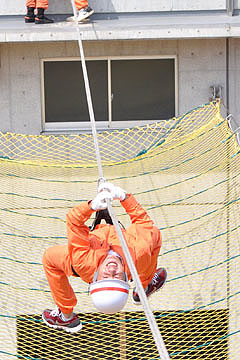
[(146, 62)]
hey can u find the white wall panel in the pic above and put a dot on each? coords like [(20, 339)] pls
[(201, 63), (17, 7)]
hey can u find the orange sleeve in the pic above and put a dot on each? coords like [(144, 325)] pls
[(77, 231), (136, 212)]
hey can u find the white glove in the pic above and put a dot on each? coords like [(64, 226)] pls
[(105, 186), (115, 191), (100, 201)]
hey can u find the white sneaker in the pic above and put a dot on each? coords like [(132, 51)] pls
[(82, 14)]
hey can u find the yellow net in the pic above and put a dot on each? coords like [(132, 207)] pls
[(185, 172)]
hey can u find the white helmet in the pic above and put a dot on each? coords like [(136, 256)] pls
[(110, 295)]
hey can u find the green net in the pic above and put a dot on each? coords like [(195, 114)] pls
[(185, 173)]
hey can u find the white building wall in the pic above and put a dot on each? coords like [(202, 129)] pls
[(17, 7), (234, 78), (201, 64)]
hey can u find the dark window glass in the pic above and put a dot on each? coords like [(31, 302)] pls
[(143, 89), (65, 96)]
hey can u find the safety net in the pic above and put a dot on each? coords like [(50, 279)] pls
[(186, 173)]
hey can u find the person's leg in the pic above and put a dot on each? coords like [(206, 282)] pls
[(43, 4), (57, 266), (40, 18), (30, 16), (157, 242), (159, 275), (31, 3), (80, 4), (84, 11)]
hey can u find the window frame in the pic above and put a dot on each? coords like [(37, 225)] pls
[(68, 127)]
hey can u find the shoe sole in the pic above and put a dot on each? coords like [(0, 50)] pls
[(67, 329), (28, 21), (43, 23), (136, 302), (72, 20)]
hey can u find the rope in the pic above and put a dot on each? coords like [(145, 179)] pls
[(144, 301), (88, 94)]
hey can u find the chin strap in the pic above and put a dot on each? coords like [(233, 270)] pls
[(101, 215)]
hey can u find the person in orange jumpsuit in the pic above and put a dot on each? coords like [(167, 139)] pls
[(96, 256), (84, 11)]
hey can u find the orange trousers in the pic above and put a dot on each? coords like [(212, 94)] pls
[(44, 4), (57, 267)]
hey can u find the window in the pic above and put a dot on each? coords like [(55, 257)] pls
[(124, 91)]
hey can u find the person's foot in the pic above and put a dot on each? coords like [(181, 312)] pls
[(40, 18), (155, 284), (30, 16), (54, 319), (83, 14)]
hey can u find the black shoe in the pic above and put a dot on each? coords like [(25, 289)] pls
[(43, 20), (155, 284), (30, 16), (40, 18)]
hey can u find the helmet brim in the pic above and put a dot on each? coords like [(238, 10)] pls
[(110, 295)]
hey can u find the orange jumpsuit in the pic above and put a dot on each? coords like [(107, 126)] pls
[(86, 250), (43, 4)]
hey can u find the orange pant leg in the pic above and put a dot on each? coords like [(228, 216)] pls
[(157, 242), (57, 266), (37, 4), (148, 274), (81, 4)]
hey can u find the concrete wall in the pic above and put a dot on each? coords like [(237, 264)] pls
[(201, 63), (17, 7), (234, 79)]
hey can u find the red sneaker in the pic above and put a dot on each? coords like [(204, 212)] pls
[(53, 319), (155, 284)]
